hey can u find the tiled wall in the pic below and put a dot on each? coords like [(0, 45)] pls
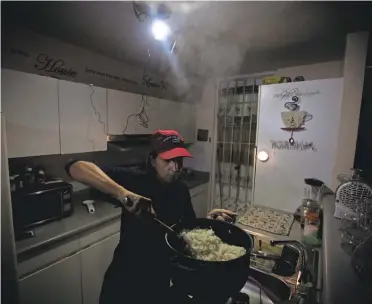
[(54, 164)]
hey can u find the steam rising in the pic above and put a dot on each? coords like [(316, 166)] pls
[(204, 48)]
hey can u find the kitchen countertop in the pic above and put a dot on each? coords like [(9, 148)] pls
[(82, 221), (294, 235), (340, 282), (79, 222)]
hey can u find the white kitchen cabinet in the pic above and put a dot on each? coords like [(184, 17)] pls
[(188, 122), (120, 106), (178, 116), (169, 112), (30, 105), (152, 112), (59, 283), (199, 199), (82, 117), (94, 263)]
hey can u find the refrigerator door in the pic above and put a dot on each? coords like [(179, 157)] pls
[(279, 181), (9, 278)]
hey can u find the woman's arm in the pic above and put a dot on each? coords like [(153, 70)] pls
[(90, 174)]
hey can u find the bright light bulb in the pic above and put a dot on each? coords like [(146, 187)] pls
[(263, 156), (160, 30)]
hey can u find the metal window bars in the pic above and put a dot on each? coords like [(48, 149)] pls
[(236, 142)]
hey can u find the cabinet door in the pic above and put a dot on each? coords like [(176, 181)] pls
[(151, 110), (82, 117), (122, 105), (94, 263), (30, 105), (199, 200), (188, 122), (59, 283), (169, 115)]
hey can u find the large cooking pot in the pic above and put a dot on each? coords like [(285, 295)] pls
[(210, 281)]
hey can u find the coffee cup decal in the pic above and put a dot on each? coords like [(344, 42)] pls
[(294, 120)]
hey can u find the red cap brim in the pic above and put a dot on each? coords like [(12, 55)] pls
[(176, 152)]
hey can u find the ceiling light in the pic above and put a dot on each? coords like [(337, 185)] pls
[(263, 156), (160, 30)]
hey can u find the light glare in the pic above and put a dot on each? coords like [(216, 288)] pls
[(160, 30), (263, 156)]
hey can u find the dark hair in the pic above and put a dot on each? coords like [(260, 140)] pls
[(150, 158)]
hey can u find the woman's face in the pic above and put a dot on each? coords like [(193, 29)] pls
[(168, 170)]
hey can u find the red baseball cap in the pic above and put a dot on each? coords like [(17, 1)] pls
[(169, 144)]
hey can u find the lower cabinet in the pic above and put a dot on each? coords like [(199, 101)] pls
[(94, 263), (199, 199), (76, 279), (59, 283)]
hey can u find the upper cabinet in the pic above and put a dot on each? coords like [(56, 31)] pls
[(178, 116), (50, 116), (123, 113), (188, 122), (122, 108), (150, 122), (83, 117), (30, 105)]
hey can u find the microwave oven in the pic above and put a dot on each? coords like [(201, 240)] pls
[(40, 204)]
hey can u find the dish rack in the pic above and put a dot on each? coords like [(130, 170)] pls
[(350, 192)]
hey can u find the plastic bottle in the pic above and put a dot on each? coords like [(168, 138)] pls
[(311, 223)]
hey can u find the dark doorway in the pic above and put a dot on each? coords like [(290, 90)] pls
[(363, 154)]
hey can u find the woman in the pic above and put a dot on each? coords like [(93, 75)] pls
[(139, 271)]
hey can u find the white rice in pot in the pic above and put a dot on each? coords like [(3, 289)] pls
[(207, 246)]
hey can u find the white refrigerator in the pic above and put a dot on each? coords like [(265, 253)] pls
[(9, 279), (297, 136)]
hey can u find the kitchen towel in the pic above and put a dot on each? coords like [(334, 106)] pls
[(267, 219)]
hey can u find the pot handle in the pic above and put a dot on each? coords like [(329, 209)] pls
[(233, 219)]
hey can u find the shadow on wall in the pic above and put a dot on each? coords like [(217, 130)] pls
[(54, 165), (363, 153), (310, 52)]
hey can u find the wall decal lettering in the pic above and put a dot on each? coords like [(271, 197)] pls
[(151, 84), (297, 145), (19, 53), (53, 66), (109, 76), (293, 94)]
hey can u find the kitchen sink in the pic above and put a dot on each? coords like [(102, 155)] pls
[(273, 280), (285, 266), (265, 288)]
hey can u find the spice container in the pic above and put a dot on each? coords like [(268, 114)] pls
[(310, 222)]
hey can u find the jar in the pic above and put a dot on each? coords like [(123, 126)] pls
[(311, 222)]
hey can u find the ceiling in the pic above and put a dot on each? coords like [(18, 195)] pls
[(213, 38)]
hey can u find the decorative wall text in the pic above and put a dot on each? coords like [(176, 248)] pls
[(297, 145), (53, 66)]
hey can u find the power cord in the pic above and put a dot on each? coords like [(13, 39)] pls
[(98, 116), (142, 115), (95, 110)]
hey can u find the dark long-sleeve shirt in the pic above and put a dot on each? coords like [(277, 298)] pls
[(142, 257)]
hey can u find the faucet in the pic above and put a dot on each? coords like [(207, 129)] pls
[(303, 255)]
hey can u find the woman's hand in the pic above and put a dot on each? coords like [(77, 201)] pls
[(135, 203), (222, 215)]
